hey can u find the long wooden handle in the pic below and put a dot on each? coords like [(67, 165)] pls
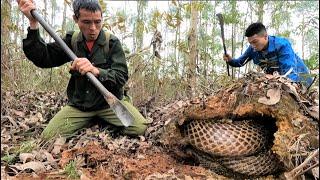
[(70, 53), (220, 18)]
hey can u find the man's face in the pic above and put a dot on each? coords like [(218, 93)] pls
[(90, 23), (258, 41)]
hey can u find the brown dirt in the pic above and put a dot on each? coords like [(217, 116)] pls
[(160, 153)]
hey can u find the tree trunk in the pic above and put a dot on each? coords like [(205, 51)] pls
[(64, 18), (205, 59), (192, 41), (176, 42), (213, 37), (260, 11), (140, 24), (233, 48), (45, 17), (5, 38), (302, 34), (53, 12)]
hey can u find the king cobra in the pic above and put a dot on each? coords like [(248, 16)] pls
[(241, 147)]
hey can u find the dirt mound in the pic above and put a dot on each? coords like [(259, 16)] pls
[(290, 110)]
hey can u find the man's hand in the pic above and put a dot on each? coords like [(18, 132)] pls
[(227, 57), (25, 7), (83, 65)]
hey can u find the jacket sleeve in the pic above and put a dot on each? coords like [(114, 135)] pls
[(287, 60), (117, 74), (44, 55), (243, 59)]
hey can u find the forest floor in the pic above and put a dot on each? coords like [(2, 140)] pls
[(98, 152), (94, 153)]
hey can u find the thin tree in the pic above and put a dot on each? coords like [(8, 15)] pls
[(192, 42)]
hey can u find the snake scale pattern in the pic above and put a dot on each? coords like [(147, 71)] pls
[(238, 146)]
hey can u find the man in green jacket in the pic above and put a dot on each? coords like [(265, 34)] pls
[(85, 101)]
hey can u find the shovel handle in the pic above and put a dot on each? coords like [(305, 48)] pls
[(70, 53)]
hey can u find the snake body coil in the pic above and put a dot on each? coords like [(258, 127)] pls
[(239, 146)]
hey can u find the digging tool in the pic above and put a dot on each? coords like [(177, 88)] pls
[(220, 18), (116, 105)]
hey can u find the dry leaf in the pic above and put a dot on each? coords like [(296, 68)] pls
[(314, 112), (36, 118), (269, 76), (36, 166), (26, 157), (49, 156), (58, 144), (186, 177), (273, 97), (315, 172), (84, 177), (19, 113), (292, 89)]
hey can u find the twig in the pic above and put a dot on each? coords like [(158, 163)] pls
[(313, 81), (140, 51), (299, 170), (11, 121)]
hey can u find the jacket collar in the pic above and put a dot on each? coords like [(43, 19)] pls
[(101, 40), (271, 43)]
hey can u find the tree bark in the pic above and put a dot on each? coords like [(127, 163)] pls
[(192, 41), (140, 24), (260, 11), (64, 17), (5, 37)]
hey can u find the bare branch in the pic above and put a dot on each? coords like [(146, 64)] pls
[(299, 170)]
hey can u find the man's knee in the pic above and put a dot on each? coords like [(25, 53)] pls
[(135, 130)]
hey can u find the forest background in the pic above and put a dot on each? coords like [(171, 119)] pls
[(190, 61)]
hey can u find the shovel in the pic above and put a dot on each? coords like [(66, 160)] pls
[(220, 18), (116, 105)]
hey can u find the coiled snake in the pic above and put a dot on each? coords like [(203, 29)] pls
[(238, 146)]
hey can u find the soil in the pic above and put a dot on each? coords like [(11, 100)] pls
[(100, 152)]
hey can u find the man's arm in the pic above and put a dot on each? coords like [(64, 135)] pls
[(287, 60), (243, 59), (44, 55), (41, 54)]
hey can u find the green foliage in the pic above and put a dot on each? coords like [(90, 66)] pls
[(9, 159), (285, 34), (155, 19), (26, 147), (313, 61), (71, 170), (232, 16)]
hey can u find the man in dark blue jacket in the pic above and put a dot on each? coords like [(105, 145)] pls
[(272, 54)]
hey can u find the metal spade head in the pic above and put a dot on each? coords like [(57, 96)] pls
[(122, 113)]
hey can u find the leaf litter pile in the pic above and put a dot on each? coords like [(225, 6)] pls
[(94, 153), (100, 152)]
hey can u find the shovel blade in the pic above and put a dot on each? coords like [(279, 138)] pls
[(122, 113)]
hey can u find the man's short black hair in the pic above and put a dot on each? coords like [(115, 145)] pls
[(255, 28), (90, 5)]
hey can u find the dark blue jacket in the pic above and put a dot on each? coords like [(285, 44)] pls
[(280, 57)]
